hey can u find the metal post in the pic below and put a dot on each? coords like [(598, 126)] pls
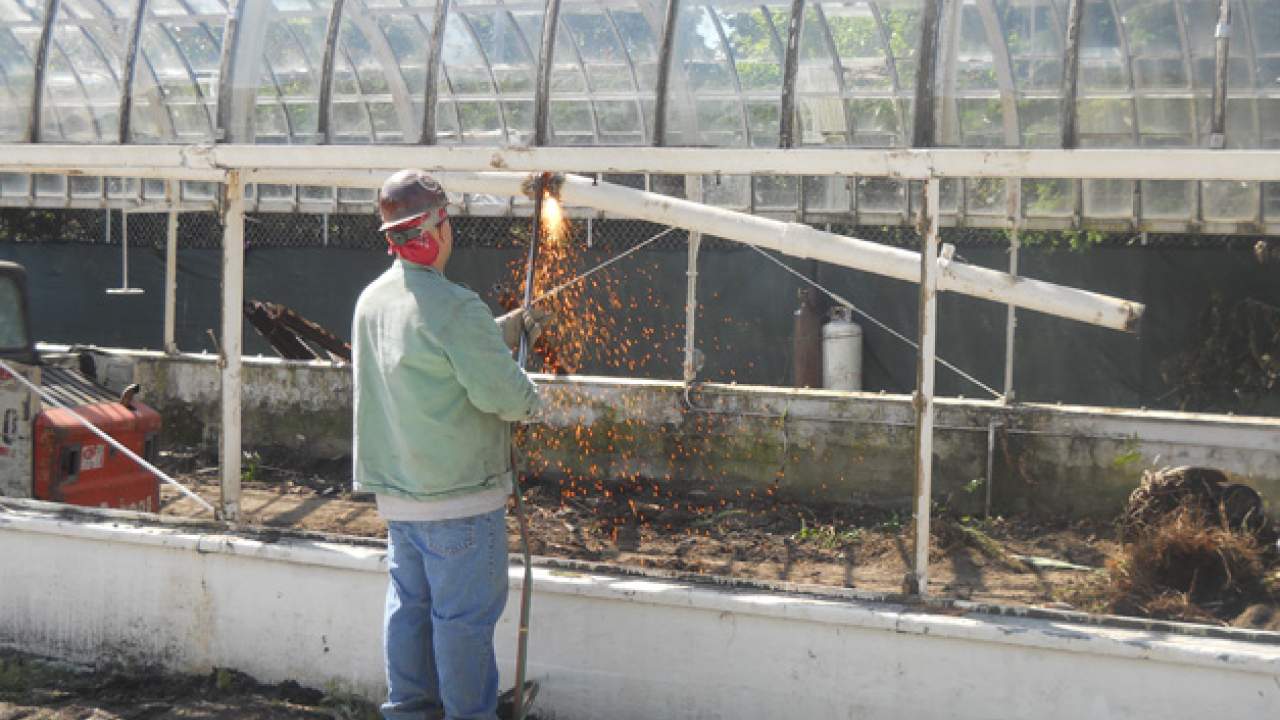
[(661, 85), (922, 131), (693, 189), (431, 92), (1222, 54), (1071, 72), (918, 581), (1015, 214), (324, 120), (229, 360), (546, 63), (171, 269), (130, 71), (790, 66), (35, 119)]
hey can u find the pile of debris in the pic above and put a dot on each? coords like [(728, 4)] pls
[(1197, 547)]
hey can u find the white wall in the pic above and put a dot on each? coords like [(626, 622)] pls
[(96, 586)]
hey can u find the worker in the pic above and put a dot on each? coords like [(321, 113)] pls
[(436, 389)]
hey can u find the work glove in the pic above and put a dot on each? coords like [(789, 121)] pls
[(530, 323)]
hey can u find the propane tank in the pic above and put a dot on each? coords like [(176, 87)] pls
[(806, 342), (842, 351)]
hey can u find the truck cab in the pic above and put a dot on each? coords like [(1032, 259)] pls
[(46, 450)]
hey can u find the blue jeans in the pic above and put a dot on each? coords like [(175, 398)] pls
[(448, 588)]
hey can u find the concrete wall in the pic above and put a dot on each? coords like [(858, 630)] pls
[(109, 587), (1056, 461)]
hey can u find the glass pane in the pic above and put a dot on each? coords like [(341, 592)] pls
[(379, 74), (288, 94), (20, 24), (819, 106), (175, 99), (875, 44), (82, 82), (703, 79)]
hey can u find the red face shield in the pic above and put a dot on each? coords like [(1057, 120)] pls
[(410, 240)]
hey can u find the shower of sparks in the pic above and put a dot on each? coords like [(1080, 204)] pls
[(635, 474)]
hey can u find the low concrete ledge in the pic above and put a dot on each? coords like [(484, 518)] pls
[(1045, 460), (94, 587)]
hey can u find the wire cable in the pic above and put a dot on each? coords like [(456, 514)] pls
[(845, 302)]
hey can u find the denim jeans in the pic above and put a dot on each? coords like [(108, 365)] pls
[(447, 589)]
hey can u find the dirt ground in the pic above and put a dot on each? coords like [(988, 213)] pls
[(992, 560), (36, 689)]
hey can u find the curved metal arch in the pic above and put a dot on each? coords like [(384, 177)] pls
[(733, 68), (275, 80), (132, 50), (922, 129), (441, 71), (775, 39), (790, 66), (662, 82), (586, 84), (838, 67), (493, 77), (1221, 63), (997, 37), (1251, 59), (402, 99), (435, 58), (1184, 37), (191, 71), (1071, 74), (368, 112), (161, 109), (891, 63), (546, 62), (631, 68), (51, 9), (332, 26), (1127, 53), (97, 128)]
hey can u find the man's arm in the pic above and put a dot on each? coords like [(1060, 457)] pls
[(483, 364)]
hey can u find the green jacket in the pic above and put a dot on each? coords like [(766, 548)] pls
[(435, 388)]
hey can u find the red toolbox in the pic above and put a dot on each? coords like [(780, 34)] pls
[(73, 465)]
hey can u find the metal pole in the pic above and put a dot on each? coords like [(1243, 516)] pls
[(546, 63), (518, 708), (431, 92), (918, 581), (130, 70), (1011, 323), (229, 360), (1071, 72), (124, 248), (171, 270), (324, 120), (790, 66), (1222, 54), (662, 83), (693, 188), (35, 118)]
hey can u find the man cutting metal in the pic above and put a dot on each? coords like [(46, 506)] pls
[(436, 389)]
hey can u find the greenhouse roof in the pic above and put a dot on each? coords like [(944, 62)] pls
[(641, 73)]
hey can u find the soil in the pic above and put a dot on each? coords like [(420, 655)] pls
[(991, 560), (32, 688)]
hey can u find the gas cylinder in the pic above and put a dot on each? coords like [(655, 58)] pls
[(841, 351), (806, 341)]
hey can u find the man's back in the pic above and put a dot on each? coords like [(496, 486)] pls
[(435, 389)]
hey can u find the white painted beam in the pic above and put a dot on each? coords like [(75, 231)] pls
[(306, 164)]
